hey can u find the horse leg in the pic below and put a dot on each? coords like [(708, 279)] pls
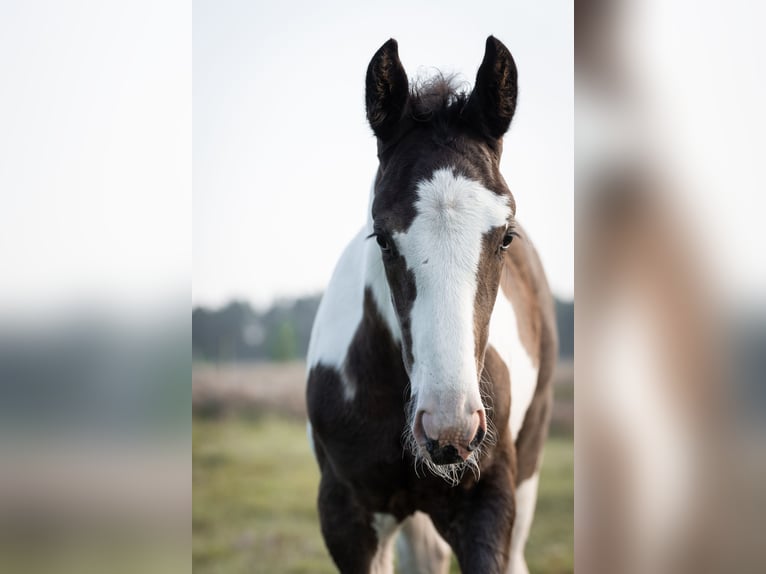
[(420, 548), (526, 498), (478, 525), (358, 541)]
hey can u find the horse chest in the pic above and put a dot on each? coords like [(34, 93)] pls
[(362, 433)]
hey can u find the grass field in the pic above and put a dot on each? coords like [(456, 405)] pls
[(254, 510)]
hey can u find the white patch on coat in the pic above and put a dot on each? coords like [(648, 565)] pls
[(342, 305), (420, 548), (504, 337), (443, 248), (526, 498), (340, 313), (385, 526), (310, 436)]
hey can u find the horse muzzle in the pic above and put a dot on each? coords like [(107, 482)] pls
[(450, 440)]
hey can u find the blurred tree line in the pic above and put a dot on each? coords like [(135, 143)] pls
[(238, 332)]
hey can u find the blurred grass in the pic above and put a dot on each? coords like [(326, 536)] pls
[(254, 508)]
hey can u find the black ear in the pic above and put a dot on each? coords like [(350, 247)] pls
[(493, 100), (387, 90)]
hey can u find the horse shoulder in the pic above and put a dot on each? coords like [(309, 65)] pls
[(522, 327)]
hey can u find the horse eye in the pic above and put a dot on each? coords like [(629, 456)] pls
[(507, 240), (382, 243)]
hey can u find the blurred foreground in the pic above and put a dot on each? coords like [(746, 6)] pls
[(671, 277)]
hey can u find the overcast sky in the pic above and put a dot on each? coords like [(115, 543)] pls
[(100, 102), (95, 152), (283, 158)]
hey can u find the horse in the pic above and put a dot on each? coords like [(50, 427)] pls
[(432, 352)]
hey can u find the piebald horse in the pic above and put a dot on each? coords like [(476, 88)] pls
[(432, 353)]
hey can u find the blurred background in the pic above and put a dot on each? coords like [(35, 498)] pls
[(283, 164), (95, 266)]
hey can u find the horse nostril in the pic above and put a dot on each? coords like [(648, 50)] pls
[(477, 439), (446, 454)]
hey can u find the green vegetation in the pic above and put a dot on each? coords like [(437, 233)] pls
[(551, 543), (254, 506), (284, 347)]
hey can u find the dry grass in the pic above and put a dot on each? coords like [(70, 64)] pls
[(257, 388), (249, 388)]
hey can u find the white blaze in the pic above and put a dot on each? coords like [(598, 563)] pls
[(442, 248)]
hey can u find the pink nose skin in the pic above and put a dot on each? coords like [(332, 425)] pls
[(454, 439)]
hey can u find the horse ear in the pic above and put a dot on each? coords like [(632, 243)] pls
[(492, 103), (387, 90)]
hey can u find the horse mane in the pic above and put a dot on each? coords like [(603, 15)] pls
[(439, 99)]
